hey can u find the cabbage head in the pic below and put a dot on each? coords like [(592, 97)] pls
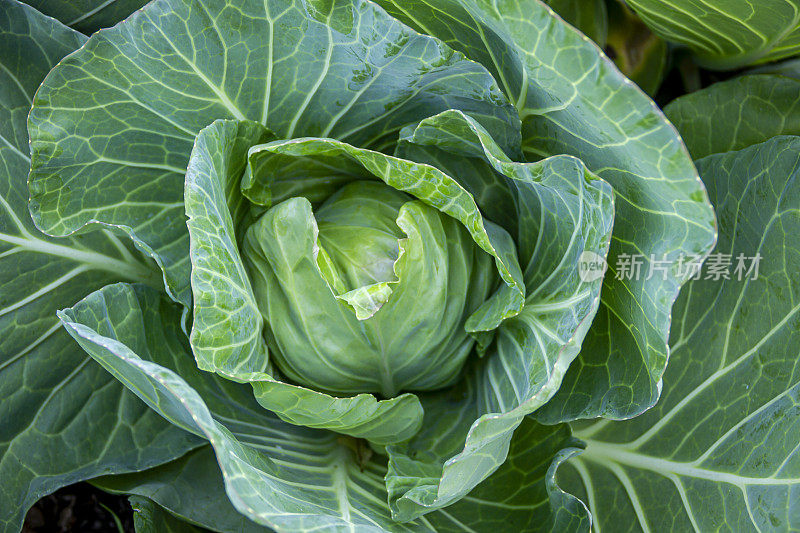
[(331, 265)]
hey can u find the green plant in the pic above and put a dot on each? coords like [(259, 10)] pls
[(324, 263)]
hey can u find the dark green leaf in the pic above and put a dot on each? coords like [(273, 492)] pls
[(62, 417), (87, 16), (149, 517), (524, 488), (737, 113), (720, 449)]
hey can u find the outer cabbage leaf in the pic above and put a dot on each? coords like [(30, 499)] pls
[(572, 100), (719, 451), (524, 487), (87, 16), (283, 476), (729, 34), (116, 120), (737, 113), (563, 211), (228, 331), (61, 419)]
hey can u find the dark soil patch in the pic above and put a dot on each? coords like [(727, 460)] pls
[(79, 508)]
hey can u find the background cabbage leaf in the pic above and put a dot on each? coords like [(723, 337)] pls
[(727, 34), (737, 113)]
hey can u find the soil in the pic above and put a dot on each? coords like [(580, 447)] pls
[(79, 509)]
